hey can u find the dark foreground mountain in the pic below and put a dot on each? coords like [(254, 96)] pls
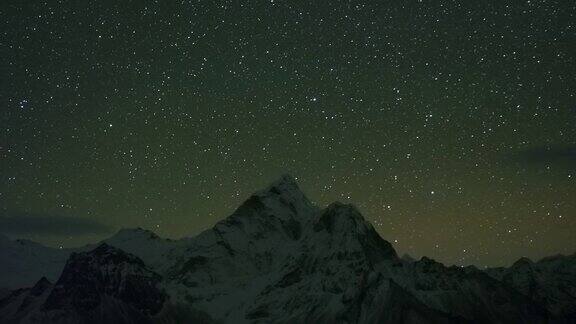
[(280, 259)]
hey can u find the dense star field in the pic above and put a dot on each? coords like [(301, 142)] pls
[(450, 124)]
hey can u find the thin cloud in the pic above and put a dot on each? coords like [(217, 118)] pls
[(549, 154), (20, 223)]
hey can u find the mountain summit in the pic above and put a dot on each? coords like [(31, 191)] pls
[(278, 258), (283, 199), (285, 183)]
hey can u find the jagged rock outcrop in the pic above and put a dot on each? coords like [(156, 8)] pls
[(105, 285)]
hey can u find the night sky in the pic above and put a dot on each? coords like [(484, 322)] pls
[(450, 124)]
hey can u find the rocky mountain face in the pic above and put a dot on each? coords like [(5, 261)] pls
[(280, 259), (105, 285), (551, 282)]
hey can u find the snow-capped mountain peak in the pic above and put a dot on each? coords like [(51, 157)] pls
[(284, 199), (279, 258)]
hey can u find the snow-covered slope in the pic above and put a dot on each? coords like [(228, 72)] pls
[(146, 245), (23, 262), (280, 259), (466, 292), (550, 282)]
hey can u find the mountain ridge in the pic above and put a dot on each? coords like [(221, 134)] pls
[(279, 258)]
